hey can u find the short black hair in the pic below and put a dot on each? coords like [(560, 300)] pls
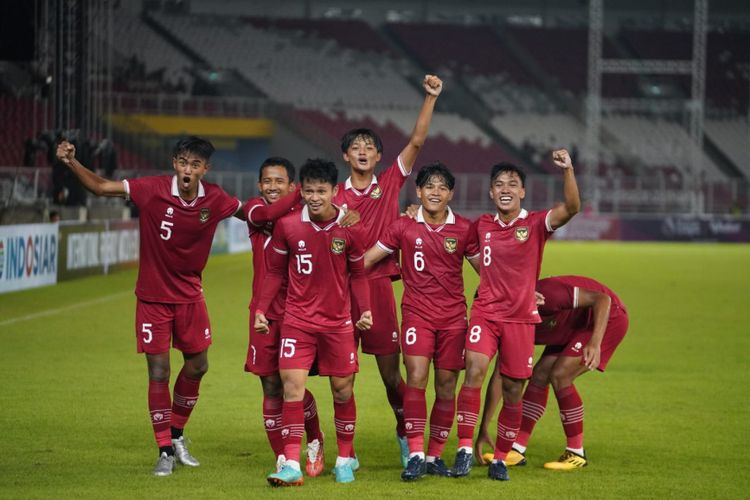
[(507, 167), (318, 169), (366, 134), (435, 169), (277, 161), (194, 145)]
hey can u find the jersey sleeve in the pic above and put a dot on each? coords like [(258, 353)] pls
[(279, 250), (558, 296), (227, 204), (394, 176), (139, 190), (360, 286), (472, 251), (276, 263), (258, 213), (389, 240)]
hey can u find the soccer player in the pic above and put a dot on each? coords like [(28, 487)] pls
[(583, 322), (278, 197), (504, 313), (178, 218), (376, 199), (325, 268), (433, 311)]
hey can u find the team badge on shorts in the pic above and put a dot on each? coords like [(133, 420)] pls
[(337, 246), (376, 193), (522, 233), (450, 245), (204, 214)]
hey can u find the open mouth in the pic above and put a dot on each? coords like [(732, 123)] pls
[(362, 162), (272, 195), (505, 199), (186, 182)]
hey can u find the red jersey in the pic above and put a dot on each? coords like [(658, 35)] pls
[(560, 314), (511, 262), (261, 217), (378, 207), (175, 236), (318, 258), (432, 266)]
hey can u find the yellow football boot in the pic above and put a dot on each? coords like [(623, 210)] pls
[(515, 458), (568, 461)]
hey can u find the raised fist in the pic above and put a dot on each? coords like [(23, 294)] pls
[(561, 158), (66, 152), (432, 85)]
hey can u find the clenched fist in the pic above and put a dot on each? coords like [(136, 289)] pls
[(561, 158), (66, 152), (432, 85)]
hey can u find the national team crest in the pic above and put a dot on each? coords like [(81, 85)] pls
[(450, 245), (205, 213), (376, 193), (337, 246), (522, 233)]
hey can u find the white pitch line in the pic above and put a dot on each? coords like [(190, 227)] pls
[(51, 312)]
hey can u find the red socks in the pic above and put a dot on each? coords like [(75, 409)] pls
[(396, 400), (508, 423), (415, 417), (469, 402), (292, 428), (160, 408), (185, 399), (345, 419), (441, 421), (272, 423), (571, 415), (312, 423), (534, 404)]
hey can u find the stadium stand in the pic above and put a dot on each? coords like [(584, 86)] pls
[(732, 135), (302, 72), (151, 64)]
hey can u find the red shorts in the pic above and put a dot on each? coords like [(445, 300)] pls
[(185, 325), (444, 347), (514, 340), (616, 329), (336, 351), (382, 338), (263, 349)]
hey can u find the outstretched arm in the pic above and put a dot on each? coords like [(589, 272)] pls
[(374, 255), (100, 186), (258, 215), (600, 303), (561, 214), (433, 86)]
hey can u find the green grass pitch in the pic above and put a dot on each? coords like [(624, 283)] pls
[(670, 418)]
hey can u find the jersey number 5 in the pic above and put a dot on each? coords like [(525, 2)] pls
[(166, 227), (304, 263)]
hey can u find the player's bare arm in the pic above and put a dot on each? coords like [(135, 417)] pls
[(374, 255), (474, 263), (600, 304), (432, 86), (100, 186), (561, 214), (240, 213)]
